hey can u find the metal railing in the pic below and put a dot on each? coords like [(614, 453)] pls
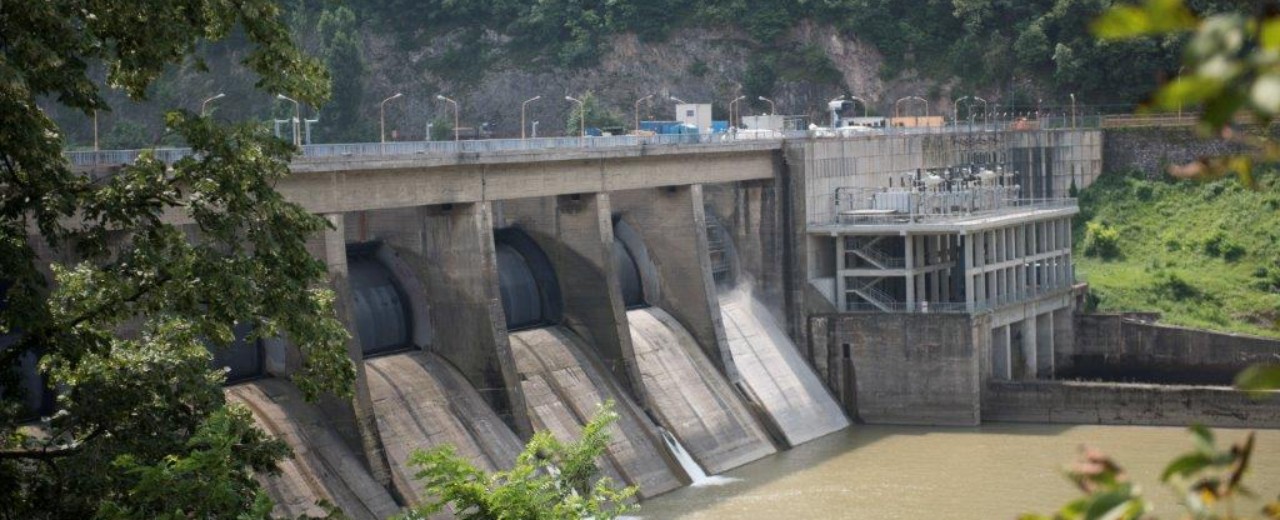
[(84, 158), (907, 206), (170, 155), (883, 302)]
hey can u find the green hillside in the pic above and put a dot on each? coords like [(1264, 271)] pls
[(1204, 254)]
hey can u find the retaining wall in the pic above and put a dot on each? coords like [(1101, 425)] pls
[(1120, 347), (1072, 402)]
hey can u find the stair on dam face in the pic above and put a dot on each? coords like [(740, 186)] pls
[(772, 368), (422, 402), (690, 397), (322, 466), (563, 389)]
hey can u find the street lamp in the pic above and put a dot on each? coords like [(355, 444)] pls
[(382, 116), (204, 103), (522, 105), (1073, 110), (731, 105), (95, 130), (637, 111), (455, 114), (306, 125), (770, 102), (860, 100), (582, 116), (297, 115)]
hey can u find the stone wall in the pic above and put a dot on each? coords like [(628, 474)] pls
[(900, 368), (1150, 149), (1071, 402), (1126, 348)]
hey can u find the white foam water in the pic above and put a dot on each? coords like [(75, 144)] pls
[(697, 475)]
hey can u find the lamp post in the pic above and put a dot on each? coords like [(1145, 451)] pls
[(955, 110), (455, 114), (582, 117), (95, 129), (382, 116), (860, 100), (522, 105), (306, 126), (835, 105), (1073, 110), (732, 104), (297, 115), (205, 103), (637, 111), (770, 102)]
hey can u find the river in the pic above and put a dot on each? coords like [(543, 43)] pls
[(990, 472)]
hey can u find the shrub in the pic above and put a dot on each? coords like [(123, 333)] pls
[(1171, 285), (1101, 241), (1220, 246)]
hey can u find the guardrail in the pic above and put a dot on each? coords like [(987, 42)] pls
[(89, 158), (925, 307), (169, 155)]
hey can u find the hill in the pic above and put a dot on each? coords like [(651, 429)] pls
[(1204, 254), (1022, 55)]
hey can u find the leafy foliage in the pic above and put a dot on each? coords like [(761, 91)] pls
[(1203, 254), (550, 481), (1232, 67), (123, 319)]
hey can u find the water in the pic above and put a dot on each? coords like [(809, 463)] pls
[(772, 368), (994, 471), (697, 476)]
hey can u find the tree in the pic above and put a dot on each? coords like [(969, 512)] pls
[(118, 304), (550, 481), (342, 53), (598, 116)]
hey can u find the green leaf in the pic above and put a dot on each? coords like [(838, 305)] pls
[(1259, 378), (1269, 34), (1186, 465), (1152, 17)]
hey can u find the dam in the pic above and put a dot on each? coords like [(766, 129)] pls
[(736, 300)]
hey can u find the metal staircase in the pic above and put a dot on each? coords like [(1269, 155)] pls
[(875, 296), (866, 249)]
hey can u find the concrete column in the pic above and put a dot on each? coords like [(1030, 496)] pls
[(461, 271), (841, 286), (576, 233), (1029, 348), (1001, 357), (968, 272), (1044, 346), (673, 223), (910, 264), (363, 428), (1064, 336)]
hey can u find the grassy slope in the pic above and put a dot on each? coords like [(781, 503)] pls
[(1172, 241)]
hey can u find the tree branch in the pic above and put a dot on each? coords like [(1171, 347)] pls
[(50, 453)]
